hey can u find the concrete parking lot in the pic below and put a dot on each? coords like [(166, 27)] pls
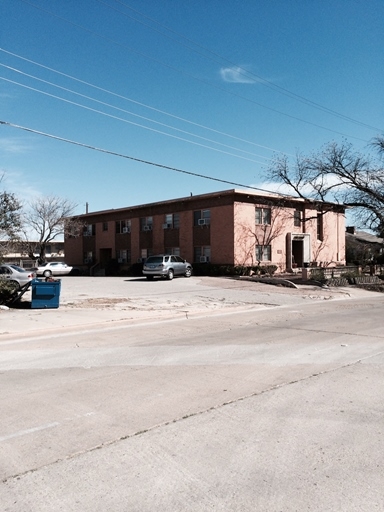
[(90, 300), (193, 395)]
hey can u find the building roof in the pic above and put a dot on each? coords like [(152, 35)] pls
[(363, 237), (212, 195)]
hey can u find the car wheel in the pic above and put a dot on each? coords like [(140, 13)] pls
[(47, 273), (188, 272), (15, 284), (170, 274), (149, 278)]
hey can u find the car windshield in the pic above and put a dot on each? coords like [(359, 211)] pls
[(155, 259)]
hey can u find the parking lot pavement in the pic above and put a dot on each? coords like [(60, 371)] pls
[(88, 301)]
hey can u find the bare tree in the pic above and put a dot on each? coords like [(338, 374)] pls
[(341, 175), (48, 218), (262, 234)]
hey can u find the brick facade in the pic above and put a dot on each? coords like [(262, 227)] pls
[(231, 227)]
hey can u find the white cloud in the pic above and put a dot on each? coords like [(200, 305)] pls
[(15, 182), (307, 190), (13, 145), (236, 74), (275, 188)]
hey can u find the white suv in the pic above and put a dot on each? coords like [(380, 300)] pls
[(166, 266)]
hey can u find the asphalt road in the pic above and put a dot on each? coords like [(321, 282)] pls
[(222, 396)]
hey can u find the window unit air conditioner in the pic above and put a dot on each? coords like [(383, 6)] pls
[(147, 228), (201, 222), (87, 260), (203, 259), (167, 226), (126, 230)]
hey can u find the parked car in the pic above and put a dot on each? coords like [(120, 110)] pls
[(53, 268), (16, 274), (166, 266)]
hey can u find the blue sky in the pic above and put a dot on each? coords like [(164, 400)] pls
[(211, 87)]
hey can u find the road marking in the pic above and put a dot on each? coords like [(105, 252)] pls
[(29, 431), (43, 427)]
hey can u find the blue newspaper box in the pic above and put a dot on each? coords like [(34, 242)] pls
[(45, 294)]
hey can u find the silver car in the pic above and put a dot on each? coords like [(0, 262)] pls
[(166, 266), (15, 274)]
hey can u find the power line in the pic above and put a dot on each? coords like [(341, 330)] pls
[(146, 162), (243, 72), (142, 54), (126, 121), (127, 111), (139, 103)]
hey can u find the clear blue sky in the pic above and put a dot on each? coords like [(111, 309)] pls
[(213, 87)]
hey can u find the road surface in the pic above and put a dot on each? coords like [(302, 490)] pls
[(263, 407)]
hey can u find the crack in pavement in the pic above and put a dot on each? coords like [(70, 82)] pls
[(187, 416)]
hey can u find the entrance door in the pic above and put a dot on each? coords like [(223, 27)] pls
[(297, 253), (105, 257)]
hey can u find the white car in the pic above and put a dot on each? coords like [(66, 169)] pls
[(53, 268)]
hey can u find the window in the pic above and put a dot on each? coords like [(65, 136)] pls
[(263, 253), (297, 218), (202, 254), (88, 257), (123, 226), (172, 220), (145, 253), (123, 256), (146, 223), (105, 226), (173, 250), (320, 226), (202, 218), (89, 230), (262, 215)]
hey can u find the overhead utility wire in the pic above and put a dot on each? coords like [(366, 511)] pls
[(141, 104), (243, 72), (190, 75), (129, 122), (130, 113), (147, 162)]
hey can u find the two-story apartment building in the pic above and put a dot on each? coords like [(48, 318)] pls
[(231, 227)]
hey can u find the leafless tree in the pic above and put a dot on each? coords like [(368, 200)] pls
[(249, 237), (48, 218), (339, 174)]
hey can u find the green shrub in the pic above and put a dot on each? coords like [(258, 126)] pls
[(7, 291), (318, 275), (268, 269)]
